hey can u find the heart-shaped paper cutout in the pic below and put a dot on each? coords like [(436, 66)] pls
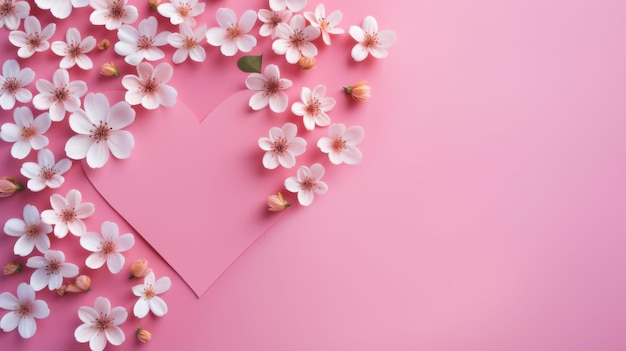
[(195, 191)]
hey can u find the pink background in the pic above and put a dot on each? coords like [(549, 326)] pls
[(487, 213)]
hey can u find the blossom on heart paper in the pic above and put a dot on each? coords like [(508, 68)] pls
[(33, 38), (149, 87), (9, 186), (188, 43), (99, 129), (112, 13), (61, 8), (340, 144), (107, 247), (293, 5), (67, 213), (12, 12), (314, 107), (270, 89), (295, 40), (326, 24), (46, 172), (101, 324), (271, 19), (31, 232), (142, 43), (282, 146), (12, 84), (74, 50), (148, 299), (182, 11), (26, 133), (307, 183), (231, 36), (50, 269), (24, 310), (370, 40), (59, 96)]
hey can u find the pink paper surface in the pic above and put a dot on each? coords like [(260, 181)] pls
[(487, 214)]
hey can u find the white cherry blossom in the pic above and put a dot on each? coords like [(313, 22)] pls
[(148, 299), (271, 19), (50, 269), (24, 309), (231, 36), (74, 50), (61, 8), (295, 40), (307, 183), (370, 40), (101, 324), (12, 84), (59, 96), (12, 12), (314, 107), (293, 5), (340, 144), (33, 38), (149, 87), (46, 172), (282, 146), (326, 24), (31, 231), (67, 213), (188, 43), (26, 133), (107, 247), (270, 89), (181, 11), (112, 13), (137, 44)]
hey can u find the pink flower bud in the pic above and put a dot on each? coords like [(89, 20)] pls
[(108, 69), (139, 268), (104, 44), (277, 203), (306, 63), (9, 186), (12, 268), (82, 283), (154, 4), (143, 335), (61, 291), (359, 91)]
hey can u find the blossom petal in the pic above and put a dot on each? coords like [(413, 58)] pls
[(27, 327), (98, 155), (115, 262), (158, 306), (8, 301), (141, 308), (115, 335)]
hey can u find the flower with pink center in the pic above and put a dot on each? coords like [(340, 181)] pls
[(148, 299), (142, 43), (282, 146), (107, 247), (100, 131), (112, 13), (50, 269), (24, 309), (307, 183), (182, 11), (74, 50), (327, 25), (231, 35), (59, 96), (314, 107), (340, 144), (149, 87), (293, 5), (61, 8), (67, 213), (12, 12), (271, 19), (370, 40), (270, 89), (295, 40), (26, 133), (101, 324), (46, 172), (12, 84), (33, 38), (31, 231), (188, 43)]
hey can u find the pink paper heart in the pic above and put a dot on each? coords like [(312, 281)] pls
[(195, 191)]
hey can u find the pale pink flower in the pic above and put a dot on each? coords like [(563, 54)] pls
[(67, 213), (148, 299), (50, 269), (181, 11), (24, 310), (232, 36), (59, 96), (12, 84), (295, 40), (149, 87), (270, 89), (282, 146), (26, 133), (340, 144), (74, 50), (101, 324), (46, 172), (61, 8), (314, 107), (370, 40), (188, 43), (271, 19), (142, 43), (326, 24), (100, 131), (33, 38), (307, 183), (293, 5), (12, 12), (107, 247), (31, 231), (112, 13)]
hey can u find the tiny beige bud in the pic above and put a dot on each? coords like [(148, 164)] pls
[(9, 186), (143, 335), (11, 268), (104, 44), (139, 268), (108, 69), (306, 63)]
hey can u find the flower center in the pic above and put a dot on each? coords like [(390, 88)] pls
[(150, 86), (271, 86), (233, 32), (103, 323), (339, 144), (61, 94), (53, 267), (28, 132), (297, 39), (46, 173), (274, 20), (101, 132), (7, 8), (68, 215), (190, 43), (183, 10), (31, 231), (34, 40), (371, 41), (106, 247), (116, 10), (324, 24), (11, 84), (144, 43), (280, 146), (149, 292), (313, 108), (23, 309), (308, 183), (74, 50)]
